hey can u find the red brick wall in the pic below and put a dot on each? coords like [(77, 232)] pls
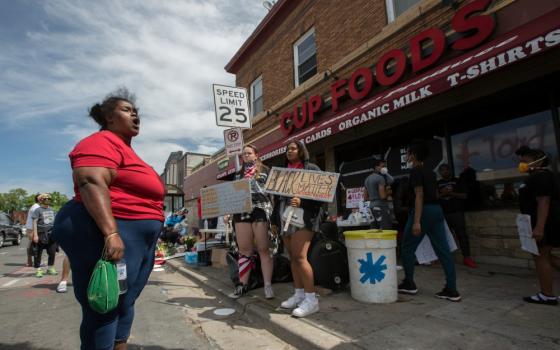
[(340, 28)]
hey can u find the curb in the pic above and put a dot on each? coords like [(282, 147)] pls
[(300, 333)]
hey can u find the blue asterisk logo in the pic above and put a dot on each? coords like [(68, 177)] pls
[(372, 271)]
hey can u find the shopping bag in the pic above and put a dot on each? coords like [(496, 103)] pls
[(293, 216), (103, 287)]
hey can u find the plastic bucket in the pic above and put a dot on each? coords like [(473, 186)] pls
[(372, 261), (191, 258)]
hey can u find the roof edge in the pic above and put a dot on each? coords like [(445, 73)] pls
[(273, 15)]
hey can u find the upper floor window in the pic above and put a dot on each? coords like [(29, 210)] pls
[(305, 57), (395, 8), (256, 96)]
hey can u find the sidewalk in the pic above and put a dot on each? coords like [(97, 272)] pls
[(491, 315)]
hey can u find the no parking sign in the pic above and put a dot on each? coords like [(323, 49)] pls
[(233, 139)]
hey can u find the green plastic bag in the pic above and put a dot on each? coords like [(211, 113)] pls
[(103, 287)]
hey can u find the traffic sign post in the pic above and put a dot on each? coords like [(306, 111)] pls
[(232, 106), (233, 139)]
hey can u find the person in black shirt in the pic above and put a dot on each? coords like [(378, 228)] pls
[(539, 197), (426, 217), (452, 198)]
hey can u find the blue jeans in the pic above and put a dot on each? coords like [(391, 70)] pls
[(81, 240), (432, 225)]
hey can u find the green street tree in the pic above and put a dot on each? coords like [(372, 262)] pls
[(14, 200), (19, 199), (58, 200)]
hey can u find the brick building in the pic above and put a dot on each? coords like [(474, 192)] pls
[(178, 167), (356, 79)]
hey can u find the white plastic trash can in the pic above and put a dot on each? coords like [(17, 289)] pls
[(372, 261)]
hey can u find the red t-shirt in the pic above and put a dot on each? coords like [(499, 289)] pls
[(137, 191)]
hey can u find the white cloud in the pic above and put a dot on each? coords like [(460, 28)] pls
[(167, 52)]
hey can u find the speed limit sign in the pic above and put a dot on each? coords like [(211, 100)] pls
[(233, 139), (232, 106)]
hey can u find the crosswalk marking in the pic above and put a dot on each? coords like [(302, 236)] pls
[(5, 285)]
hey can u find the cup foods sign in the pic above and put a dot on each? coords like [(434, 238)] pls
[(474, 28)]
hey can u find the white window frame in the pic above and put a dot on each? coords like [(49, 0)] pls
[(390, 6), (251, 94), (296, 58)]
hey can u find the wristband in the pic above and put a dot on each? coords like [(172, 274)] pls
[(111, 235)]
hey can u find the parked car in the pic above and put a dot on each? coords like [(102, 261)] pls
[(9, 231)]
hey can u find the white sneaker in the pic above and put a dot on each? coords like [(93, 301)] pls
[(62, 287), (292, 302), (306, 308), (268, 292)]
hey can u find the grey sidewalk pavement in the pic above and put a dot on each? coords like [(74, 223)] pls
[(490, 316)]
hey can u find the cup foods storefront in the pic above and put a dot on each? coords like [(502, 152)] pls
[(477, 96)]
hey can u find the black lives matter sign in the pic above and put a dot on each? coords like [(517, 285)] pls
[(308, 184)]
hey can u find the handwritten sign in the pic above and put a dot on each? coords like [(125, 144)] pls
[(227, 198), (354, 196), (525, 230), (425, 253), (308, 184)]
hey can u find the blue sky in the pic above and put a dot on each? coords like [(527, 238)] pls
[(59, 57)]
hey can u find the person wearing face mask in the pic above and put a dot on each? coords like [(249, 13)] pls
[(425, 218), (539, 197), (253, 227), (376, 191)]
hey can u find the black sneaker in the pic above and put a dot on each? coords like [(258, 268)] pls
[(542, 299), (407, 287), (239, 291), (449, 294)]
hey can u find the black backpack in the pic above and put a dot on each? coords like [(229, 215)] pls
[(329, 261), (282, 270)]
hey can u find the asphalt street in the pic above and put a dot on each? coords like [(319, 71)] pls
[(172, 313)]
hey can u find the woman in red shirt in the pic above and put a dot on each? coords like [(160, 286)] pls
[(118, 204)]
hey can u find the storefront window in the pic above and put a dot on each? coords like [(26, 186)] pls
[(489, 152)]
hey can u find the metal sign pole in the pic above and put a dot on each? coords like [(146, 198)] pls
[(237, 166)]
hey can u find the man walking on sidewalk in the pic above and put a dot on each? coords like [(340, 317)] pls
[(29, 231), (43, 222)]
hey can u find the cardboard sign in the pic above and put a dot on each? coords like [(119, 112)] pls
[(226, 198), (354, 196), (233, 140), (231, 106), (308, 184)]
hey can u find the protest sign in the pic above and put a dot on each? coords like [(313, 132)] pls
[(425, 253), (226, 198), (525, 230), (307, 184), (354, 196)]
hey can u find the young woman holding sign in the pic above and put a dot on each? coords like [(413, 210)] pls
[(253, 226), (297, 240)]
